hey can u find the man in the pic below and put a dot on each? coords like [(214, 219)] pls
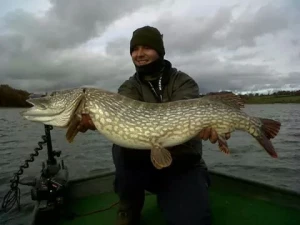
[(182, 188)]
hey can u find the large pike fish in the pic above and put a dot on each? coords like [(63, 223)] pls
[(155, 126)]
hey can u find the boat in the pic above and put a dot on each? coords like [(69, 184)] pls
[(91, 200)]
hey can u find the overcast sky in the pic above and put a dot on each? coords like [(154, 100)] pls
[(232, 45)]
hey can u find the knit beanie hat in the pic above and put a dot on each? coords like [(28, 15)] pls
[(149, 36)]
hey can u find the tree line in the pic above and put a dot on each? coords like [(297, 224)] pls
[(10, 97), (275, 94)]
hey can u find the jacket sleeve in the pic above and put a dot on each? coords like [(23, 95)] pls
[(129, 90), (185, 87)]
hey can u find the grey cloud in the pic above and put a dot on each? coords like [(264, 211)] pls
[(40, 54), (220, 31), (118, 47), (243, 56), (232, 77), (292, 77), (185, 36), (47, 74), (213, 75), (295, 42), (69, 23), (196, 44), (267, 20), (240, 81)]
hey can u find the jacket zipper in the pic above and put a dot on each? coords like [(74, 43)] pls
[(159, 95)]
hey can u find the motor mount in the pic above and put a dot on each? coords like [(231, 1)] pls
[(50, 189)]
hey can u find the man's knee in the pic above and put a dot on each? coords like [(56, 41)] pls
[(188, 215), (186, 200)]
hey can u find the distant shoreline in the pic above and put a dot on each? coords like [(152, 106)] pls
[(273, 99)]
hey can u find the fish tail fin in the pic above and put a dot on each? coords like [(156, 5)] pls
[(269, 130)]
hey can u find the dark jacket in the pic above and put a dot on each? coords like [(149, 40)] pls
[(176, 85)]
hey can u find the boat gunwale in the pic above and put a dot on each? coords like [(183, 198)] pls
[(211, 172)]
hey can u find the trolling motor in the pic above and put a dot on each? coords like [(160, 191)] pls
[(49, 189)]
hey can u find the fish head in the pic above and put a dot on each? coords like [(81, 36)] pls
[(54, 109)]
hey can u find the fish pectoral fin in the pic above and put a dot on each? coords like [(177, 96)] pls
[(160, 156), (75, 120), (222, 143), (72, 128)]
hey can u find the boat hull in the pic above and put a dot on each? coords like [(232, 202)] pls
[(234, 201)]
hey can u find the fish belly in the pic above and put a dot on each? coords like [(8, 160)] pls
[(175, 140), (123, 137), (126, 142)]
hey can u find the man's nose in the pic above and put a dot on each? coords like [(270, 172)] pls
[(140, 52)]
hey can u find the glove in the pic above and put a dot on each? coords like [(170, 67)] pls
[(86, 123), (211, 134)]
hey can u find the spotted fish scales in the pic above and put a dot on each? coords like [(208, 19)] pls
[(152, 126)]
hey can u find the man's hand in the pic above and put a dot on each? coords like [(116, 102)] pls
[(85, 124), (211, 134)]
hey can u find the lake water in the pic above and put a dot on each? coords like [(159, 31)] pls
[(90, 153)]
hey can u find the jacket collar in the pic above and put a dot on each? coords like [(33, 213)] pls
[(165, 73)]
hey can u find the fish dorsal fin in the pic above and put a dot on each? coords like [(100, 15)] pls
[(227, 98)]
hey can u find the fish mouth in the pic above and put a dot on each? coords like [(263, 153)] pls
[(39, 108), (40, 113), (55, 116)]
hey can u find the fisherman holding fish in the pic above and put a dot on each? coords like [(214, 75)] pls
[(182, 188), (156, 123)]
